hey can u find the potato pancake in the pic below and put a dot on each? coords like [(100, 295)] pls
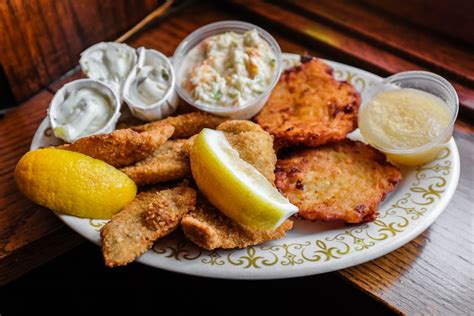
[(309, 107), (341, 181)]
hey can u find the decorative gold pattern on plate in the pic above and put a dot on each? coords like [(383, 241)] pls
[(179, 249), (97, 223), (353, 78)]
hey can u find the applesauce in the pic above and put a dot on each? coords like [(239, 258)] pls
[(410, 119)]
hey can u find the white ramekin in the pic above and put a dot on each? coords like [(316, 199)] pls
[(63, 93), (164, 107)]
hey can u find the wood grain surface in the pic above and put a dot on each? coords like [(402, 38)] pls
[(418, 45), (446, 17), (433, 274), (41, 40)]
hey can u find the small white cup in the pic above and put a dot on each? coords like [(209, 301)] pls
[(64, 92), (96, 52), (164, 107)]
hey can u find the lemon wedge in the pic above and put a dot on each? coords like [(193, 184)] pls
[(73, 183), (234, 186)]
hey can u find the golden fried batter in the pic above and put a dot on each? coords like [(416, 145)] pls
[(253, 144), (151, 215), (122, 147), (167, 163), (207, 227), (309, 107), (341, 181), (185, 125)]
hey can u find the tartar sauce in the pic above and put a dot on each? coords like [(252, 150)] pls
[(150, 85), (405, 119), (109, 63), (230, 69), (83, 112)]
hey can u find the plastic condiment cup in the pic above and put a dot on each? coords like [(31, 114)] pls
[(427, 82), (75, 85), (162, 108), (94, 50), (244, 111)]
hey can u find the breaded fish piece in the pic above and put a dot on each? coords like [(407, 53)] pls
[(167, 163), (151, 215), (309, 107), (208, 228), (185, 125), (253, 144), (171, 160), (122, 147), (341, 181)]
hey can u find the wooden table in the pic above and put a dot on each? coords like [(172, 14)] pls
[(433, 274)]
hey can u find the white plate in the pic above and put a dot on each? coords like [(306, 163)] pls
[(310, 248)]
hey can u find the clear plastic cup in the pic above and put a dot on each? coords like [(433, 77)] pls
[(424, 81), (246, 110)]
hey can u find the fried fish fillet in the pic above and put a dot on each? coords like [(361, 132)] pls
[(253, 144), (171, 160), (309, 107), (151, 215), (341, 181), (122, 147), (167, 163), (185, 125), (207, 227)]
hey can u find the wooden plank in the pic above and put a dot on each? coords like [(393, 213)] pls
[(6, 96), (38, 252), (343, 46), (418, 45), (447, 17), (42, 39)]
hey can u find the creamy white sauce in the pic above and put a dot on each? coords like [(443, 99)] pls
[(150, 85), (229, 69), (83, 112), (109, 63)]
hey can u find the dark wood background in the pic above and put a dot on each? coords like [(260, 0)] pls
[(42, 39), (430, 275)]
